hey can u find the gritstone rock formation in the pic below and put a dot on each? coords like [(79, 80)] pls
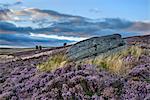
[(95, 46)]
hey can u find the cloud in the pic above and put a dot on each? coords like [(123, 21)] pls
[(4, 14), (81, 28), (48, 18), (7, 26), (3, 5), (32, 26), (57, 37), (38, 18), (8, 5), (140, 27), (65, 29), (115, 23), (17, 3), (40, 14), (48, 21), (95, 10), (25, 40)]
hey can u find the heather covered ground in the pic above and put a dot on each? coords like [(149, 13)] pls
[(22, 80), (75, 82)]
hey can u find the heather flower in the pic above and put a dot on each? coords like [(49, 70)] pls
[(77, 82)]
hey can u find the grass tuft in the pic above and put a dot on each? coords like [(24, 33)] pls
[(115, 62), (53, 63)]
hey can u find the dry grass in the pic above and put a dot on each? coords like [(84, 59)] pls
[(53, 63), (133, 50), (115, 62)]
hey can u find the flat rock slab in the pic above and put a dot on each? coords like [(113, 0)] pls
[(95, 46)]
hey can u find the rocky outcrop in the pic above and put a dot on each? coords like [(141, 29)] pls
[(95, 46)]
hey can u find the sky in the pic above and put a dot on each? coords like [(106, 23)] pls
[(54, 22), (127, 9)]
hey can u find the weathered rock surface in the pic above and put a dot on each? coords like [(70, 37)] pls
[(95, 46)]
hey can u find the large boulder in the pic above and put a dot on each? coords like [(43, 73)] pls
[(95, 46)]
